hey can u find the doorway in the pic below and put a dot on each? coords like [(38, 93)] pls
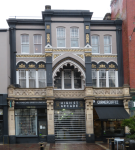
[(1, 133)]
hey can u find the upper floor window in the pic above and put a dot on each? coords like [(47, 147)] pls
[(32, 78), (41, 78), (112, 78), (74, 36), (94, 77), (61, 37), (38, 43), (102, 78), (22, 78), (25, 43), (107, 44), (95, 43)]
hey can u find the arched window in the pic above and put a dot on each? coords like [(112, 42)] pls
[(61, 36), (107, 44), (74, 36), (95, 43), (25, 43)]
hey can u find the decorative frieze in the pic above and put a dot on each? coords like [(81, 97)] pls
[(48, 54), (29, 56), (104, 56), (56, 55), (68, 50)]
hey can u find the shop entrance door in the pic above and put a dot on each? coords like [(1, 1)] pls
[(1, 133), (98, 130)]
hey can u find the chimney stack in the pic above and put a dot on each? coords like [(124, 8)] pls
[(47, 7)]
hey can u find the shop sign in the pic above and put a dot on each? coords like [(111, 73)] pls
[(1, 111), (107, 102), (69, 104), (31, 103)]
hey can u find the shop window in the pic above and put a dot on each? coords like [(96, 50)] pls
[(25, 43), (68, 79), (107, 44), (32, 78), (22, 78), (102, 78), (95, 43), (37, 43), (74, 36), (41, 78), (26, 122), (61, 37)]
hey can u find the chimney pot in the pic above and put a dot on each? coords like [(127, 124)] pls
[(47, 7)]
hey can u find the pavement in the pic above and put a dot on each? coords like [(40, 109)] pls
[(57, 146)]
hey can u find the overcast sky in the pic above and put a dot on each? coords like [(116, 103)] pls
[(32, 8)]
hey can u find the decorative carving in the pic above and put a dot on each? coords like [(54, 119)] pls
[(87, 27), (56, 55), (88, 105), (49, 91), (47, 26), (30, 56), (41, 66), (88, 91), (49, 104), (48, 54), (31, 66), (68, 50), (87, 38), (102, 66), (88, 54), (105, 56), (111, 66), (48, 38), (93, 66), (81, 55), (22, 65), (69, 94)]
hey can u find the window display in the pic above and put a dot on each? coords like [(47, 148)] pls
[(26, 122)]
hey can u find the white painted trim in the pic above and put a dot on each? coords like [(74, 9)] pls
[(27, 79), (65, 64), (62, 80), (116, 78), (97, 78), (17, 77), (107, 79), (72, 80), (37, 79)]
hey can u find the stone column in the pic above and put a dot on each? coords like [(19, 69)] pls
[(90, 137), (11, 122)]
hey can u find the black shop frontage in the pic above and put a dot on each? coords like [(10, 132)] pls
[(107, 117)]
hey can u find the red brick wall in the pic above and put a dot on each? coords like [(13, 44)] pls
[(125, 10)]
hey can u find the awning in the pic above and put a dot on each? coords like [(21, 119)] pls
[(112, 113)]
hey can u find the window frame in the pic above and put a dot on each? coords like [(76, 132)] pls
[(75, 38), (96, 77), (41, 79), (109, 44), (22, 78), (25, 44), (98, 43), (37, 44), (32, 78), (57, 37)]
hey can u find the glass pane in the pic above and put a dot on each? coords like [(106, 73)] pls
[(25, 48), (57, 83), (60, 32), (61, 42), (32, 83), (107, 40), (67, 74), (94, 40), (67, 83), (26, 112), (41, 83), (42, 128), (58, 75), (37, 48), (32, 74), (94, 74), (77, 74), (102, 74), (111, 82), (25, 39), (107, 49), (95, 49), (74, 43), (22, 83), (94, 82), (41, 74), (22, 74), (77, 83), (102, 82)]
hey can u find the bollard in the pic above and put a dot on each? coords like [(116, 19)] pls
[(41, 145), (112, 144), (127, 145)]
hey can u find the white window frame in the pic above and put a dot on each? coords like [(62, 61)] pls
[(18, 77), (108, 45), (41, 79), (96, 76), (75, 38), (37, 44), (32, 78), (57, 37), (72, 82), (103, 78), (25, 44), (114, 76), (98, 43)]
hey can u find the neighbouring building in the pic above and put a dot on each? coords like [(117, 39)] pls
[(124, 10), (66, 78)]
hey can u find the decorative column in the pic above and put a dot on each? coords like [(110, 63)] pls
[(90, 137), (50, 115)]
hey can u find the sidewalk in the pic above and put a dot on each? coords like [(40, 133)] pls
[(56, 146)]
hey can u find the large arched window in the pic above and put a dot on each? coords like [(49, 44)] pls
[(74, 36), (61, 37), (68, 78)]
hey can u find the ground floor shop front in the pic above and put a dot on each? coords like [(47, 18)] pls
[(62, 120)]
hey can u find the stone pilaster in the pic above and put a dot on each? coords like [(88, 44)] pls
[(50, 120)]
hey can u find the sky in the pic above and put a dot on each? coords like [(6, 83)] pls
[(33, 8)]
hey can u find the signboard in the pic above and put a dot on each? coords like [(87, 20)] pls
[(69, 104), (107, 102)]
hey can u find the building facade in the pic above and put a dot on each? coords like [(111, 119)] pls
[(121, 9), (66, 78)]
